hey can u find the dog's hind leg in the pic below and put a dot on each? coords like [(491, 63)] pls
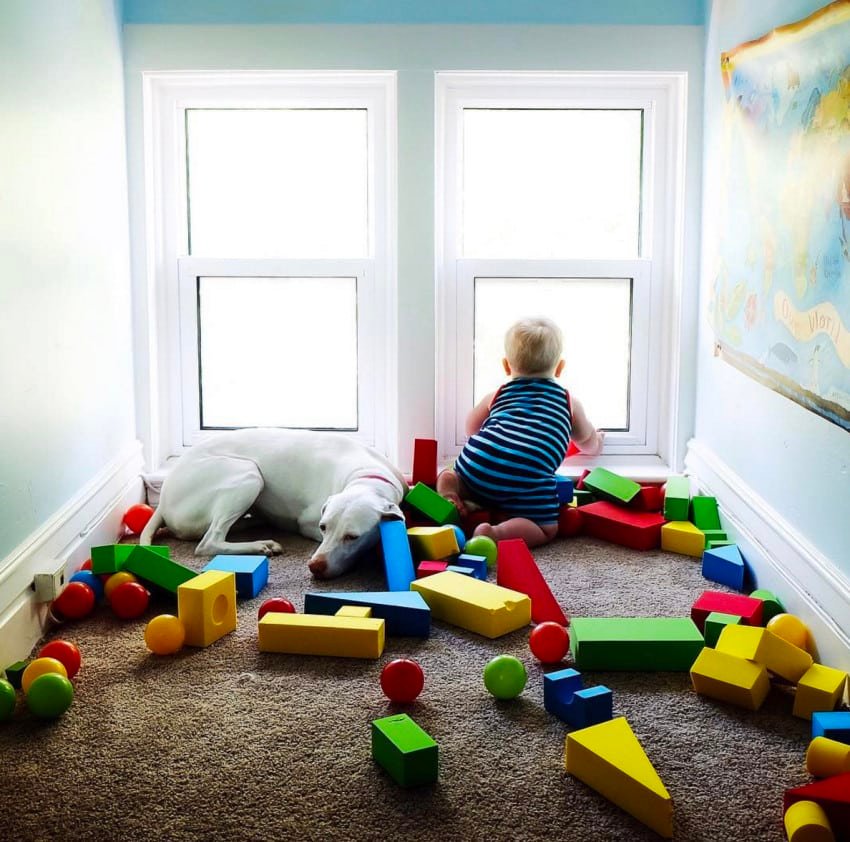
[(229, 504)]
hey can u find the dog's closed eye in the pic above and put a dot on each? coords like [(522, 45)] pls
[(350, 537)]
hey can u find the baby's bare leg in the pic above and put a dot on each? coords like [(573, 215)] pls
[(519, 527)]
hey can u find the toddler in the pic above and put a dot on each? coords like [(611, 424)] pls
[(518, 436)]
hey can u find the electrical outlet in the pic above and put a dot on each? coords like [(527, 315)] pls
[(48, 585)]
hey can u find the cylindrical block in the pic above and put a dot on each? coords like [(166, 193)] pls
[(826, 757), (806, 821)]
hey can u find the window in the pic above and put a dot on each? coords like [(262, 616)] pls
[(556, 197), (274, 251)]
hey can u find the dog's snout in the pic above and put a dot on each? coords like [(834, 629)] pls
[(318, 567)]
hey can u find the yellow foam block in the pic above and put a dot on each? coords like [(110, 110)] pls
[(354, 611), (826, 757), (609, 758), (764, 647), (806, 821), (320, 634), (681, 536), (433, 542), (477, 606), (730, 679), (819, 688), (206, 605)]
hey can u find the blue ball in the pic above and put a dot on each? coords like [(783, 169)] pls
[(90, 579), (461, 538)]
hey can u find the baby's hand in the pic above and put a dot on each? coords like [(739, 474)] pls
[(457, 503)]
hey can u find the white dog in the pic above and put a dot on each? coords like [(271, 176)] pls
[(327, 487)]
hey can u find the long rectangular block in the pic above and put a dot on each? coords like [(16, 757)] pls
[(677, 498), (317, 634), (153, 567), (764, 647), (516, 569), (834, 724), (433, 542), (405, 612), (398, 560), (477, 606), (681, 536), (635, 643), (610, 486), (730, 679), (432, 505), (638, 530), (425, 462), (408, 754), (112, 557), (820, 689), (747, 608)]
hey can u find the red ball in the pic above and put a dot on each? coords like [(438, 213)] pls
[(570, 522), (549, 642), (65, 652), (402, 680), (86, 565), (129, 600), (276, 605), (75, 602), (137, 517)]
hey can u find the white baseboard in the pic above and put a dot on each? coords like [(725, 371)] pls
[(782, 559), (91, 518)]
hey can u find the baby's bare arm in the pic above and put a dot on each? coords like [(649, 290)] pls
[(586, 437), (479, 414)]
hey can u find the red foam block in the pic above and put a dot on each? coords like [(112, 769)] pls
[(425, 462), (516, 569), (429, 568), (726, 603), (638, 530), (833, 794), (650, 498)]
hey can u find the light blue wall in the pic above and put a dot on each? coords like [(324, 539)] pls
[(798, 462), (609, 12), (66, 378), (416, 52)]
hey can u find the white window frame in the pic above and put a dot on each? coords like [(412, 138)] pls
[(656, 273), (171, 282)]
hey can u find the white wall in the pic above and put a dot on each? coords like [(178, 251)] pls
[(416, 52), (782, 473), (66, 375)]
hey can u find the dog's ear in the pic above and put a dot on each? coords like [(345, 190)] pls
[(391, 512)]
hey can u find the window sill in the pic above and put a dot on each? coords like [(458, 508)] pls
[(646, 468)]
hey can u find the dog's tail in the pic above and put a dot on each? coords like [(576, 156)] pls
[(150, 528)]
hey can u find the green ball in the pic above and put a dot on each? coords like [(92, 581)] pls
[(50, 695), (505, 677), (482, 545), (8, 699)]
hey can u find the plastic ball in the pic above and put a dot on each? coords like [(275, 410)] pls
[(461, 537), (570, 521), (75, 602), (50, 696), (41, 666), (117, 579), (88, 578), (86, 565), (482, 545), (65, 652), (8, 700), (549, 642), (276, 605), (129, 600), (402, 680), (505, 677), (165, 634), (137, 517), (789, 627)]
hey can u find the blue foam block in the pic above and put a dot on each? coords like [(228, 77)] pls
[(405, 612), (564, 697), (464, 571), (252, 572), (398, 560), (834, 724), (478, 563), (565, 489), (724, 565)]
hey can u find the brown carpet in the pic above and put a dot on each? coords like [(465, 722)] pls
[(227, 743)]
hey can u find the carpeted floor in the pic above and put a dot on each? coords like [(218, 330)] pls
[(228, 743)]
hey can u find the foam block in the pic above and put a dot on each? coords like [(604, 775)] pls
[(408, 754), (771, 604), (681, 536), (826, 757), (820, 688), (565, 489), (715, 536), (15, 672), (478, 563), (610, 486), (704, 513), (747, 608), (433, 542), (354, 611), (730, 679), (398, 560), (715, 623), (806, 821), (565, 697), (252, 572), (425, 462), (481, 607), (650, 499), (315, 634), (834, 724), (609, 758), (152, 566), (111, 558), (464, 571), (206, 605), (638, 530), (764, 647), (429, 568), (405, 612), (635, 643), (432, 505), (726, 566), (677, 498), (832, 794), (516, 569)]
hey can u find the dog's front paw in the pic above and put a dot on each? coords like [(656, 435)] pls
[(269, 547)]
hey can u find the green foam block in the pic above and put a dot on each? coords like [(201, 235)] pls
[(432, 505), (668, 644), (407, 752), (677, 498), (715, 623), (149, 564), (704, 514), (610, 486)]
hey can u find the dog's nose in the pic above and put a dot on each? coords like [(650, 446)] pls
[(318, 566)]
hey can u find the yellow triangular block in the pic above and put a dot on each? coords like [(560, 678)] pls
[(609, 758), (681, 536)]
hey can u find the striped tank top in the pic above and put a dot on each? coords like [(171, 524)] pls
[(510, 463)]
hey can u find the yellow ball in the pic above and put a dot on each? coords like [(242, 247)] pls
[(790, 628), (117, 579), (39, 667), (165, 634)]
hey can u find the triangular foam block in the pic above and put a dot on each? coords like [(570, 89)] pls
[(833, 794), (406, 613), (516, 569), (609, 758)]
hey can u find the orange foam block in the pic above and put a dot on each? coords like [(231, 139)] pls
[(516, 569)]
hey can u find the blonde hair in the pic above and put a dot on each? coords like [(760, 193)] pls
[(533, 347)]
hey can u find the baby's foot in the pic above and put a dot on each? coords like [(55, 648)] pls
[(486, 529)]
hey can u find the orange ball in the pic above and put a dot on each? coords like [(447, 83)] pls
[(165, 634), (117, 579), (789, 627), (39, 667)]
